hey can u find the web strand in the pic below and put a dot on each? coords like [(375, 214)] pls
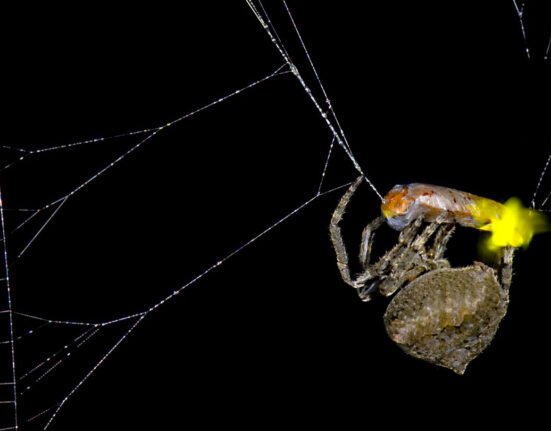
[(326, 165), (140, 316), (48, 364), (152, 132), (540, 180), (9, 310), (55, 360), (545, 200), (285, 55), (89, 373), (86, 335), (59, 202), (39, 231), (520, 14), (318, 79), (93, 327)]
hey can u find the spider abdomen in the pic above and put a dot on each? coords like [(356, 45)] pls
[(448, 316)]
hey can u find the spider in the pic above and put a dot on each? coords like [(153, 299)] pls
[(446, 316)]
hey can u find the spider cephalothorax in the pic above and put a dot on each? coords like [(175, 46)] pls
[(443, 315)]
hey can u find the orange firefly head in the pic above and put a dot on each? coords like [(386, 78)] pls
[(396, 202)]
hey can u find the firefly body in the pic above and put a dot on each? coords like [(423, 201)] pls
[(403, 204), (510, 224)]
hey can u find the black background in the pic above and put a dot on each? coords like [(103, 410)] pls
[(437, 92)]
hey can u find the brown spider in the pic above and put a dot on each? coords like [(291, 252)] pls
[(443, 315)]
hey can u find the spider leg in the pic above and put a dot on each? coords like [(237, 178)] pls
[(419, 242), (336, 235), (441, 239), (368, 236), (408, 233), (506, 266), (390, 285)]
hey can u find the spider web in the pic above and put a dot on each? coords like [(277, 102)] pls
[(94, 229)]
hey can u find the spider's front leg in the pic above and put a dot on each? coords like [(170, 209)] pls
[(336, 235)]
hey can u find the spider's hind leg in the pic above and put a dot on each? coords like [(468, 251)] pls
[(506, 266)]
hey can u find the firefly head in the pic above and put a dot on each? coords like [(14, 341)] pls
[(396, 207)]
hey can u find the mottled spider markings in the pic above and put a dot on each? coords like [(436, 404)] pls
[(448, 316), (443, 315)]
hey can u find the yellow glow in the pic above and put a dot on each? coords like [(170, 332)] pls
[(514, 225)]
